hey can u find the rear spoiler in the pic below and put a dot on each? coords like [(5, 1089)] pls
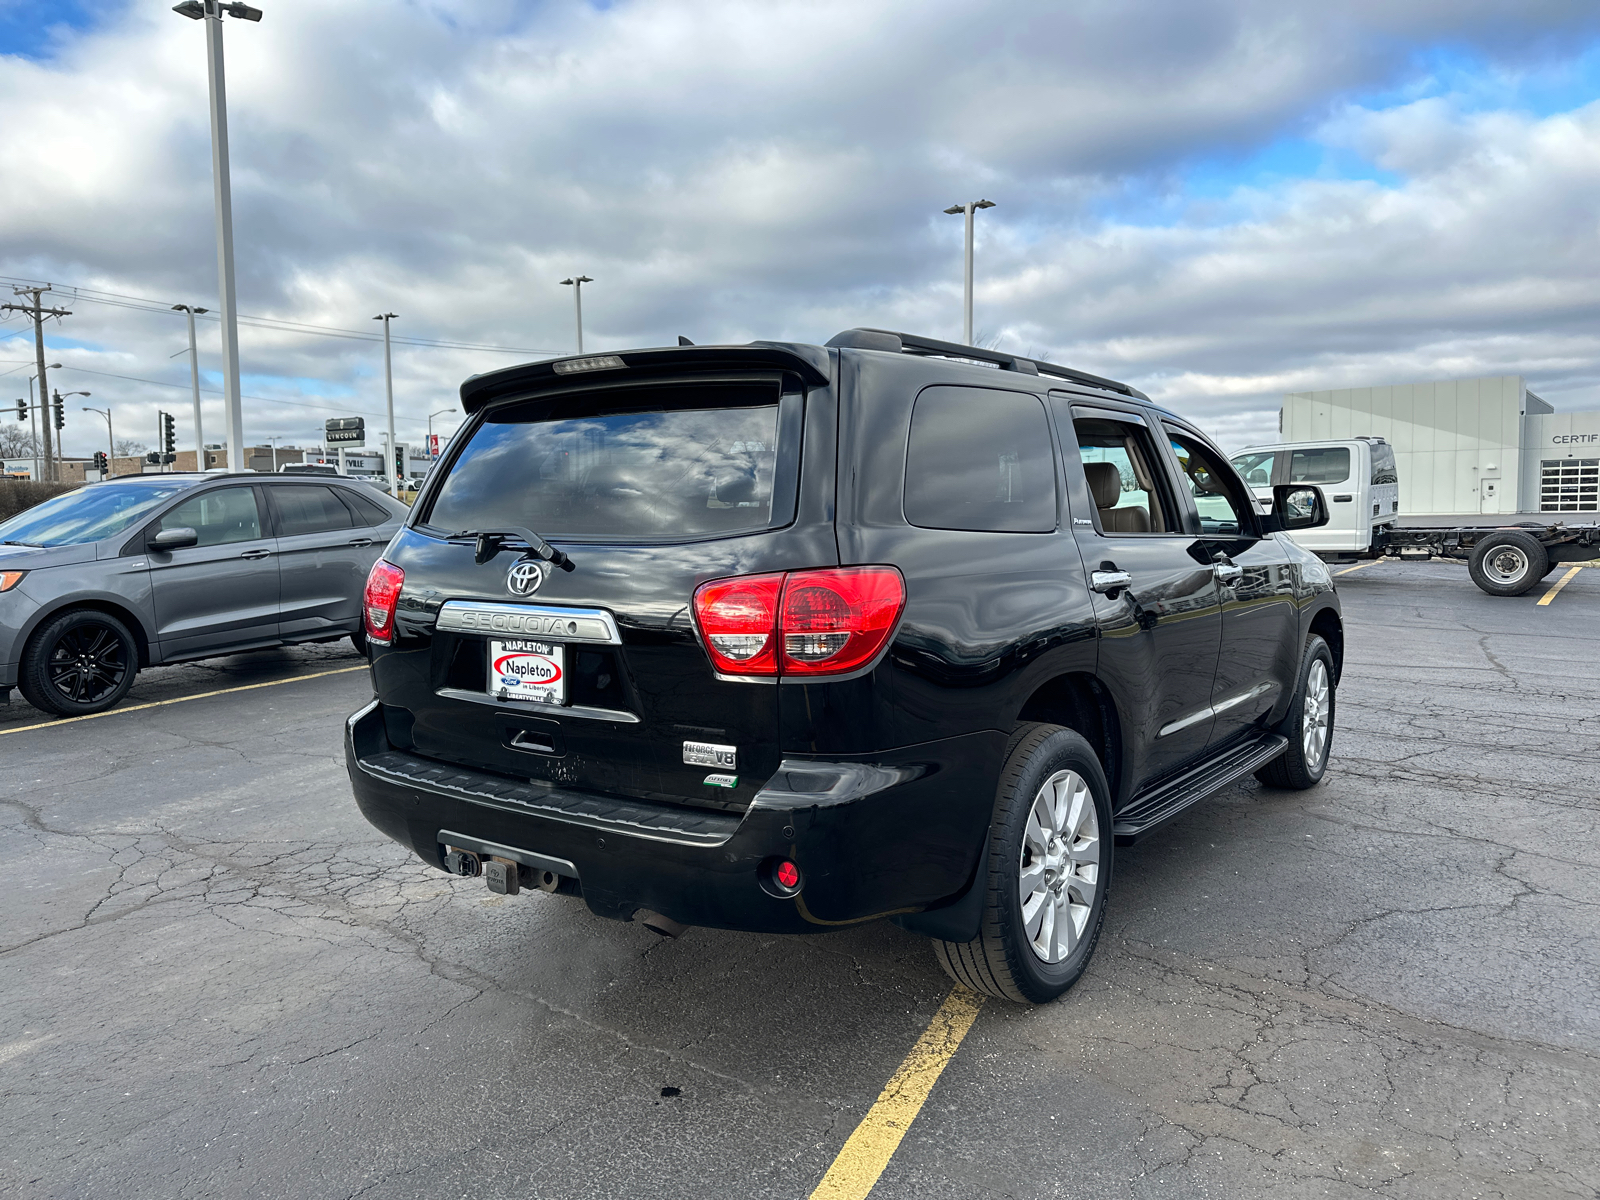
[(812, 363)]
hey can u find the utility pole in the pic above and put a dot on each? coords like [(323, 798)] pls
[(388, 390), (576, 284), (39, 313), (194, 380), (211, 12), (966, 305)]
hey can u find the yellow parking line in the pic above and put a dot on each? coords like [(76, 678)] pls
[(1362, 567), (1560, 583), (115, 712), (855, 1171)]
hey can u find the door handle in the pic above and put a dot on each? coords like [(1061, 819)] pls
[(1228, 572), (1109, 583), (256, 554), (362, 542)]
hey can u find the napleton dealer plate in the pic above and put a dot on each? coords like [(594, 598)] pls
[(533, 671)]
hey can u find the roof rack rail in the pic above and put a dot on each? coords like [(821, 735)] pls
[(863, 338)]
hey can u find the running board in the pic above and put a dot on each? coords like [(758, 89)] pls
[(1172, 796)]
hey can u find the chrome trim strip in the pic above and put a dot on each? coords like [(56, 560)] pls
[(591, 625), (530, 707), (541, 862), (1212, 710)]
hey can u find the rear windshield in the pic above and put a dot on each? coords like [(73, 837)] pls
[(1383, 468), (665, 463), (1325, 464)]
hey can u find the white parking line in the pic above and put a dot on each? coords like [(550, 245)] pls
[(116, 712)]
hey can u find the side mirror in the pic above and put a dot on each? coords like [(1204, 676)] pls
[(1298, 506), (174, 539)]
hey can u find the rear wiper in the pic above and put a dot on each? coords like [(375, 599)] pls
[(492, 541), (36, 545)]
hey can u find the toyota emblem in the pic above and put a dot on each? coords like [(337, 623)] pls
[(524, 577)]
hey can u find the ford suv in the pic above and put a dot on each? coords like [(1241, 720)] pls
[(785, 638)]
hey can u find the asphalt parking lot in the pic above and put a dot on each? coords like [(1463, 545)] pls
[(218, 980)]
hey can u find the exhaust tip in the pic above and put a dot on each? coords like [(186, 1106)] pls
[(656, 923)]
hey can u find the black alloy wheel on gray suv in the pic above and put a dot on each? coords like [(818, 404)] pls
[(79, 663)]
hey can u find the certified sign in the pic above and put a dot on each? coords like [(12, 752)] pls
[(527, 671)]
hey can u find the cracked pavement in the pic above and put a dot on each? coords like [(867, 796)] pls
[(217, 980)]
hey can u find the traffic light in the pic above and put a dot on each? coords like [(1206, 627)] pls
[(400, 463), (60, 411), (102, 463), (169, 434), (22, 410)]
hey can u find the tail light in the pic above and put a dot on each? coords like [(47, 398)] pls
[(379, 600), (803, 623)]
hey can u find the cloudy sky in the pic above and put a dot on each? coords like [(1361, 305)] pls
[(1216, 200)]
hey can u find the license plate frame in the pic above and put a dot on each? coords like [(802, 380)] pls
[(528, 679)]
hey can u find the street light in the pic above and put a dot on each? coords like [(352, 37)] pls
[(388, 390), (194, 380), (111, 441), (966, 307), (576, 284), (211, 12), (431, 416)]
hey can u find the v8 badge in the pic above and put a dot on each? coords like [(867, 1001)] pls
[(708, 754)]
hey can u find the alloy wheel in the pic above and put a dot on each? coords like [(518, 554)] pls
[(1315, 715), (1058, 869), (87, 663)]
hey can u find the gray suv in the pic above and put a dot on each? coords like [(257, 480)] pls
[(145, 570)]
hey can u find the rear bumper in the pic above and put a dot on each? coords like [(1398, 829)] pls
[(899, 834)]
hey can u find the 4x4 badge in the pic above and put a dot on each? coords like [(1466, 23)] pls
[(524, 577)]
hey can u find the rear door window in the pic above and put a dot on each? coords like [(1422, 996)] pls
[(664, 463), (980, 460), (1383, 468), (1120, 464), (1320, 464), (308, 509)]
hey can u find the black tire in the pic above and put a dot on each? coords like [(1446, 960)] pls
[(1303, 764), (1508, 563), (80, 662), (1002, 960), (358, 639)]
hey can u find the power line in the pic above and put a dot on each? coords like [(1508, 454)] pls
[(146, 304), (184, 387)]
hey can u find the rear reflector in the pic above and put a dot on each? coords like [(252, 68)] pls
[(812, 623), (379, 600)]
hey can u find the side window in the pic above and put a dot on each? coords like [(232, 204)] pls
[(1256, 467), (980, 460), (308, 508), (1320, 464), (368, 511), (1383, 468), (1223, 511), (1119, 462), (219, 517)]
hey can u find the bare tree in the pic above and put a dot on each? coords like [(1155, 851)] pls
[(128, 447), (16, 441)]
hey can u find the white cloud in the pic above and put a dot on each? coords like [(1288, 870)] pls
[(730, 171)]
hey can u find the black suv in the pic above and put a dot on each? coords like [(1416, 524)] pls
[(887, 628)]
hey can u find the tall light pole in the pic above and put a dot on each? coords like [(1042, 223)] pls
[(966, 299), (111, 441), (33, 419), (576, 284), (431, 416), (388, 389), (210, 11), (194, 381)]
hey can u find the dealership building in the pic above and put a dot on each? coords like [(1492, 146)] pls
[(1462, 446)]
